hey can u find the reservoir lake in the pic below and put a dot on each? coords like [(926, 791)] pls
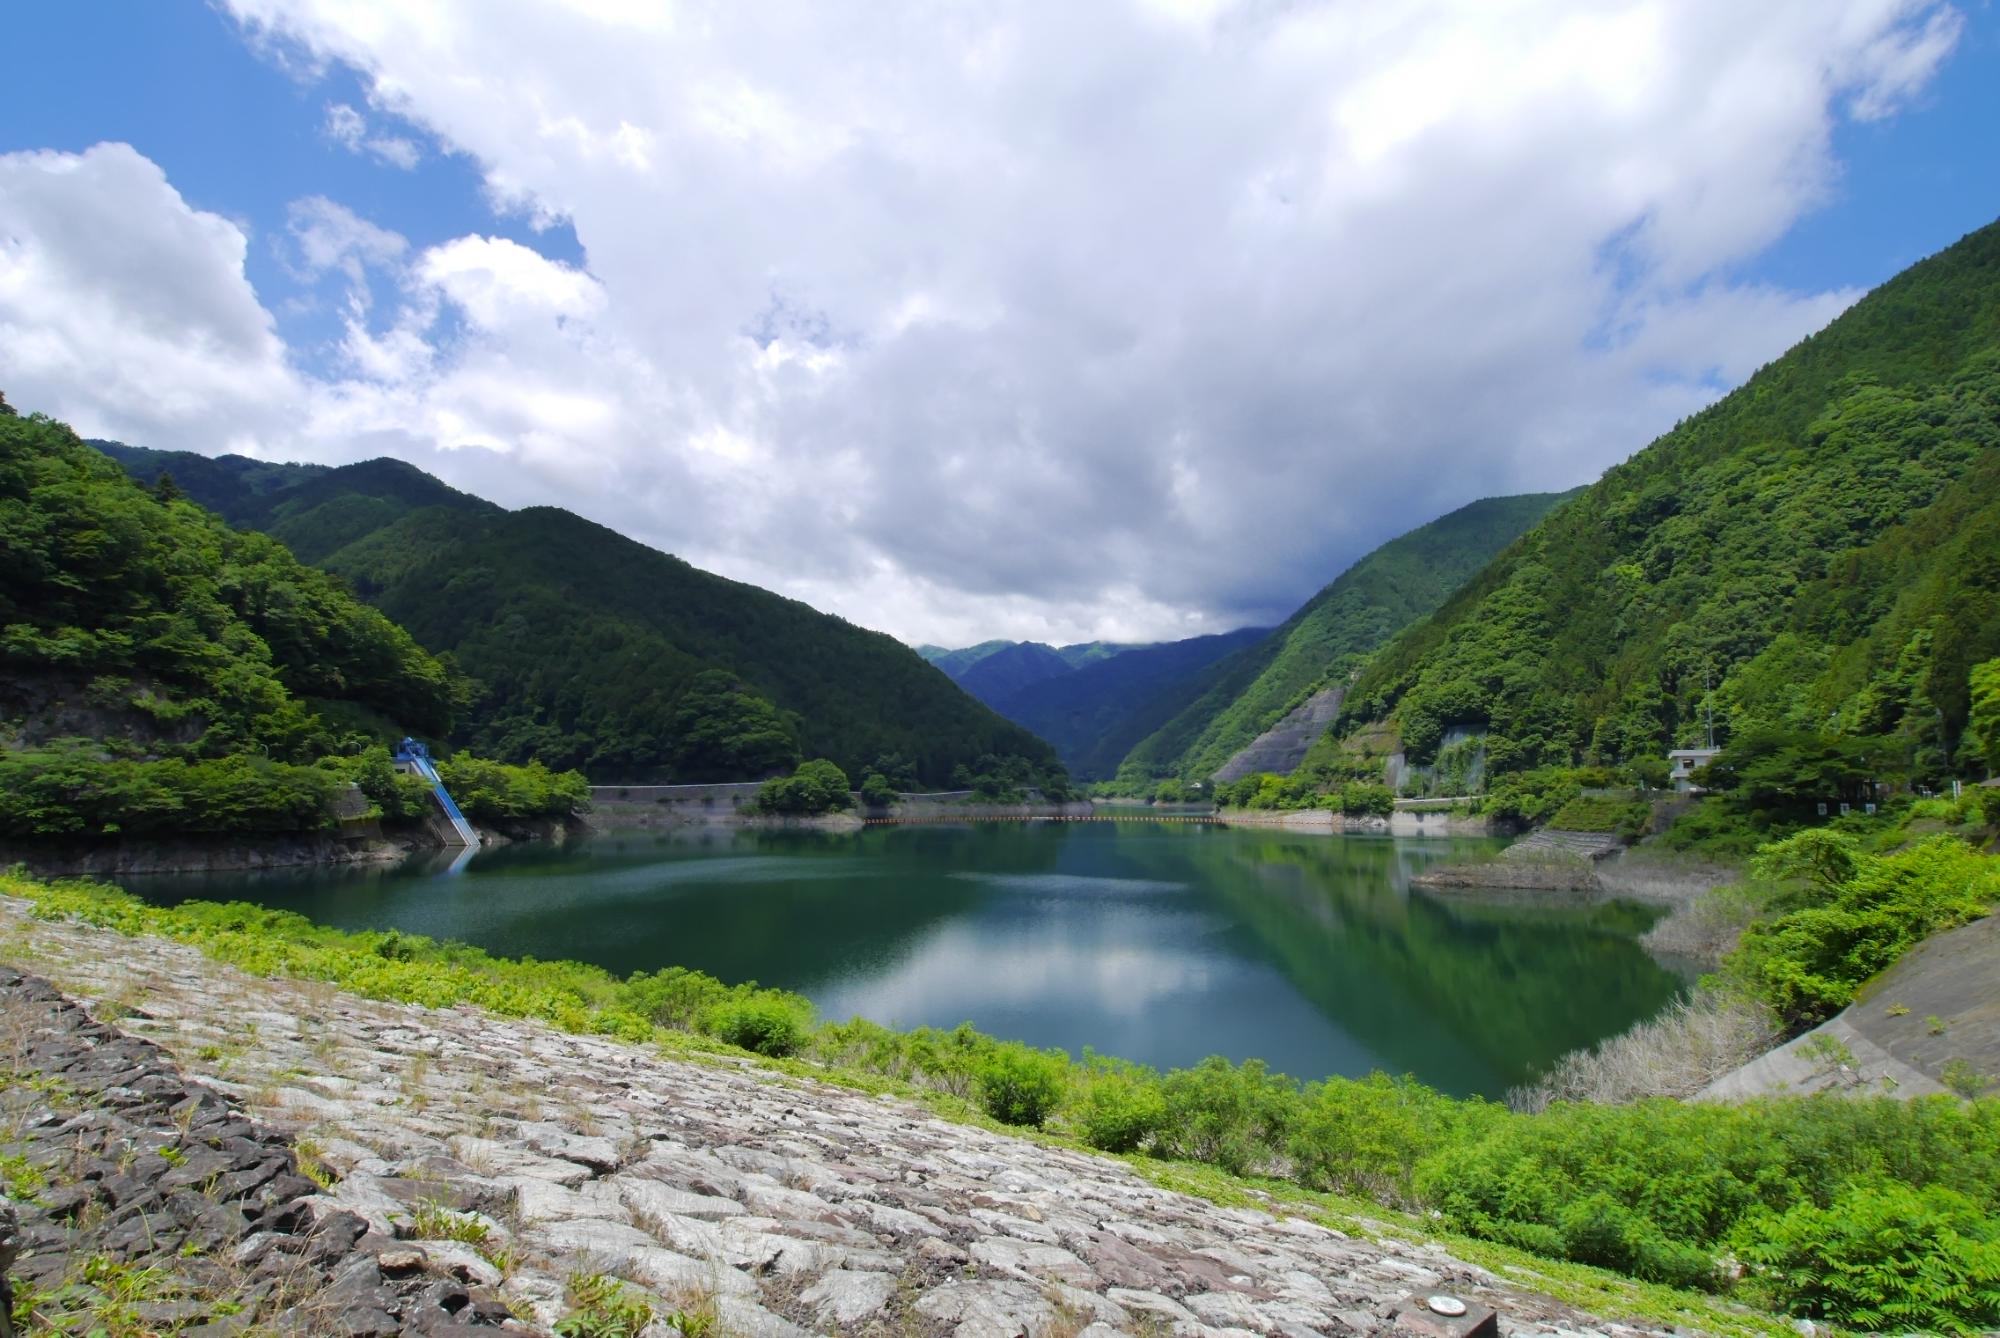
[(1154, 942)]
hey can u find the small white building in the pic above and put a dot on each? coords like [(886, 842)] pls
[(1686, 761)]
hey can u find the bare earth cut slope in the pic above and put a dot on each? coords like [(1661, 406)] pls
[(791, 1206)]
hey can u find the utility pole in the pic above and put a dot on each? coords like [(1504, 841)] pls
[(1707, 707)]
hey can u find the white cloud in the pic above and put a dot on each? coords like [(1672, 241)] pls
[(349, 128), (331, 236), (126, 311), (1066, 320)]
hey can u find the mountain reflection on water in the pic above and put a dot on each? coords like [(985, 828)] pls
[(1160, 944)]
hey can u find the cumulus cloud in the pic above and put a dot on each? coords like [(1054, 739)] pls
[(1129, 319), (124, 309), (349, 128)]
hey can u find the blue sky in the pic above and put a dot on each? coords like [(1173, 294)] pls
[(239, 133), (1050, 306)]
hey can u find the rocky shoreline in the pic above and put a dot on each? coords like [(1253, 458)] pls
[(492, 1162), (236, 854), (145, 1200)]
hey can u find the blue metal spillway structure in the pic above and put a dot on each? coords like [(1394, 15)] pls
[(417, 758)]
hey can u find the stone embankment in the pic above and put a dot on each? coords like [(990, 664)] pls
[(1284, 745), (1544, 860), (153, 1205), (1937, 1009), (1326, 822), (490, 1158)]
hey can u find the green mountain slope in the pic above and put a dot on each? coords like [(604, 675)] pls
[(1378, 596), (222, 638), (963, 661), (1820, 550), (1096, 713), (1010, 670), (162, 674), (593, 651), (954, 663)]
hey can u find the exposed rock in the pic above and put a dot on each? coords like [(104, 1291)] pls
[(786, 1206)]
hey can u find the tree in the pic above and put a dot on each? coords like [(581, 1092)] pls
[(1792, 771), (876, 791), (818, 786), (1985, 717)]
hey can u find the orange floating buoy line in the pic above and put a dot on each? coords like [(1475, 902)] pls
[(947, 819)]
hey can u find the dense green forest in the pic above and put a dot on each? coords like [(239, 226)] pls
[(589, 650), (1096, 713), (1371, 601), (162, 674), (1817, 554)]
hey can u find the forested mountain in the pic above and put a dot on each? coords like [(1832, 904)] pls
[(1384, 592), (1818, 552), (961, 662), (164, 675), (955, 662), (1010, 669), (590, 650), (173, 625), (1095, 714)]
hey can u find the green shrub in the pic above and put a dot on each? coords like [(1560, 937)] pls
[(488, 791), (672, 996), (818, 786), (766, 1023), (1659, 1188), (876, 791), (1882, 1256), (1531, 797), (602, 1307), (1019, 1085), (1364, 798), (1603, 813), (1852, 914), (1237, 1118), (1367, 1136), (1122, 1106)]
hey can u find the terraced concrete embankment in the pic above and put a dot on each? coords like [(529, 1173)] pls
[(786, 1205), (1283, 746)]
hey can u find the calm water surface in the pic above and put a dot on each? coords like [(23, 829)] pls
[(1157, 943)]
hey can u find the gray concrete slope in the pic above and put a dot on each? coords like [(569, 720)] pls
[(1283, 746)]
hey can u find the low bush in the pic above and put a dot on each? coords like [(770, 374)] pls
[(818, 786), (765, 1023), (1019, 1085), (1625, 818), (494, 791), (1368, 1136), (1233, 1116), (1121, 1107), (1885, 1257), (1850, 914), (1366, 799)]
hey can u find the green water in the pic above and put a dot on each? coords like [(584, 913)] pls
[(1158, 943)]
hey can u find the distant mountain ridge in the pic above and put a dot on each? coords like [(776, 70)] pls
[(1096, 713), (594, 650), (1091, 699), (1256, 687)]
